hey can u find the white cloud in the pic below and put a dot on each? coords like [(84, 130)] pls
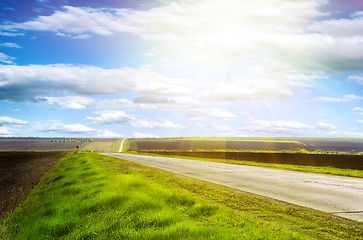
[(57, 126), (108, 134), (70, 102), (21, 83), (356, 78), (346, 134), (5, 131), (12, 121), (153, 99), (121, 117), (344, 99), (358, 110), (246, 90), (10, 45), (266, 127), (210, 113), (341, 27), (151, 23), (359, 121), (81, 102), (143, 135), (5, 58), (325, 126), (210, 130), (112, 117), (221, 50), (167, 125), (71, 20), (207, 41), (79, 36), (256, 127)]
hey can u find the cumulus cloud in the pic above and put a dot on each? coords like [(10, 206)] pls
[(112, 117), (81, 102), (22, 83), (71, 20), (344, 99), (121, 117), (246, 90), (6, 131), (12, 121), (325, 126), (210, 113), (10, 45), (356, 78), (6, 59), (153, 99), (277, 128), (57, 126), (209, 30), (358, 110), (346, 134), (341, 27), (69, 102), (285, 128), (208, 40), (143, 135), (108, 134), (29, 83)]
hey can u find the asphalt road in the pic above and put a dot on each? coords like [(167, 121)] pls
[(342, 196)]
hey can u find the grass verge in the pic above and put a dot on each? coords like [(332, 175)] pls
[(291, 167), (126, 146), (116, 148), (90, 196)]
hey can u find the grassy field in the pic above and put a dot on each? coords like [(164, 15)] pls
[(117, 146), (90, 196), (100, 146)]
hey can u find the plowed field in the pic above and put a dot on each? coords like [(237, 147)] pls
[(20, 172), (344, 145)]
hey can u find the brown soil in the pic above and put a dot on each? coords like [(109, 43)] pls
[(337, 161), (344, 145), (15, 144), (20, 172)]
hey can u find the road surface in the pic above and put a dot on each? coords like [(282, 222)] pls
[(342, 196), (122, 145)]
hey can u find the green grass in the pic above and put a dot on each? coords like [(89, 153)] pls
[(90, 196), (117, 146), (291, 167), (100, 146), (126, 146)]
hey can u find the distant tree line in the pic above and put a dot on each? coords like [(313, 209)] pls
[(73, 140)]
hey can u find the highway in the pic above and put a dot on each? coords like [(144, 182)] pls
[(342, 196)]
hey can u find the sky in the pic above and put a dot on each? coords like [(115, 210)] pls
[(170, 68)]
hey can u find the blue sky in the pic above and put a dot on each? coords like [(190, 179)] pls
[(181, 68)]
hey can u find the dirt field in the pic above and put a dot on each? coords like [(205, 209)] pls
[(30, 144), (344, 145), (37, 144), (337, 161), (20, 172)]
